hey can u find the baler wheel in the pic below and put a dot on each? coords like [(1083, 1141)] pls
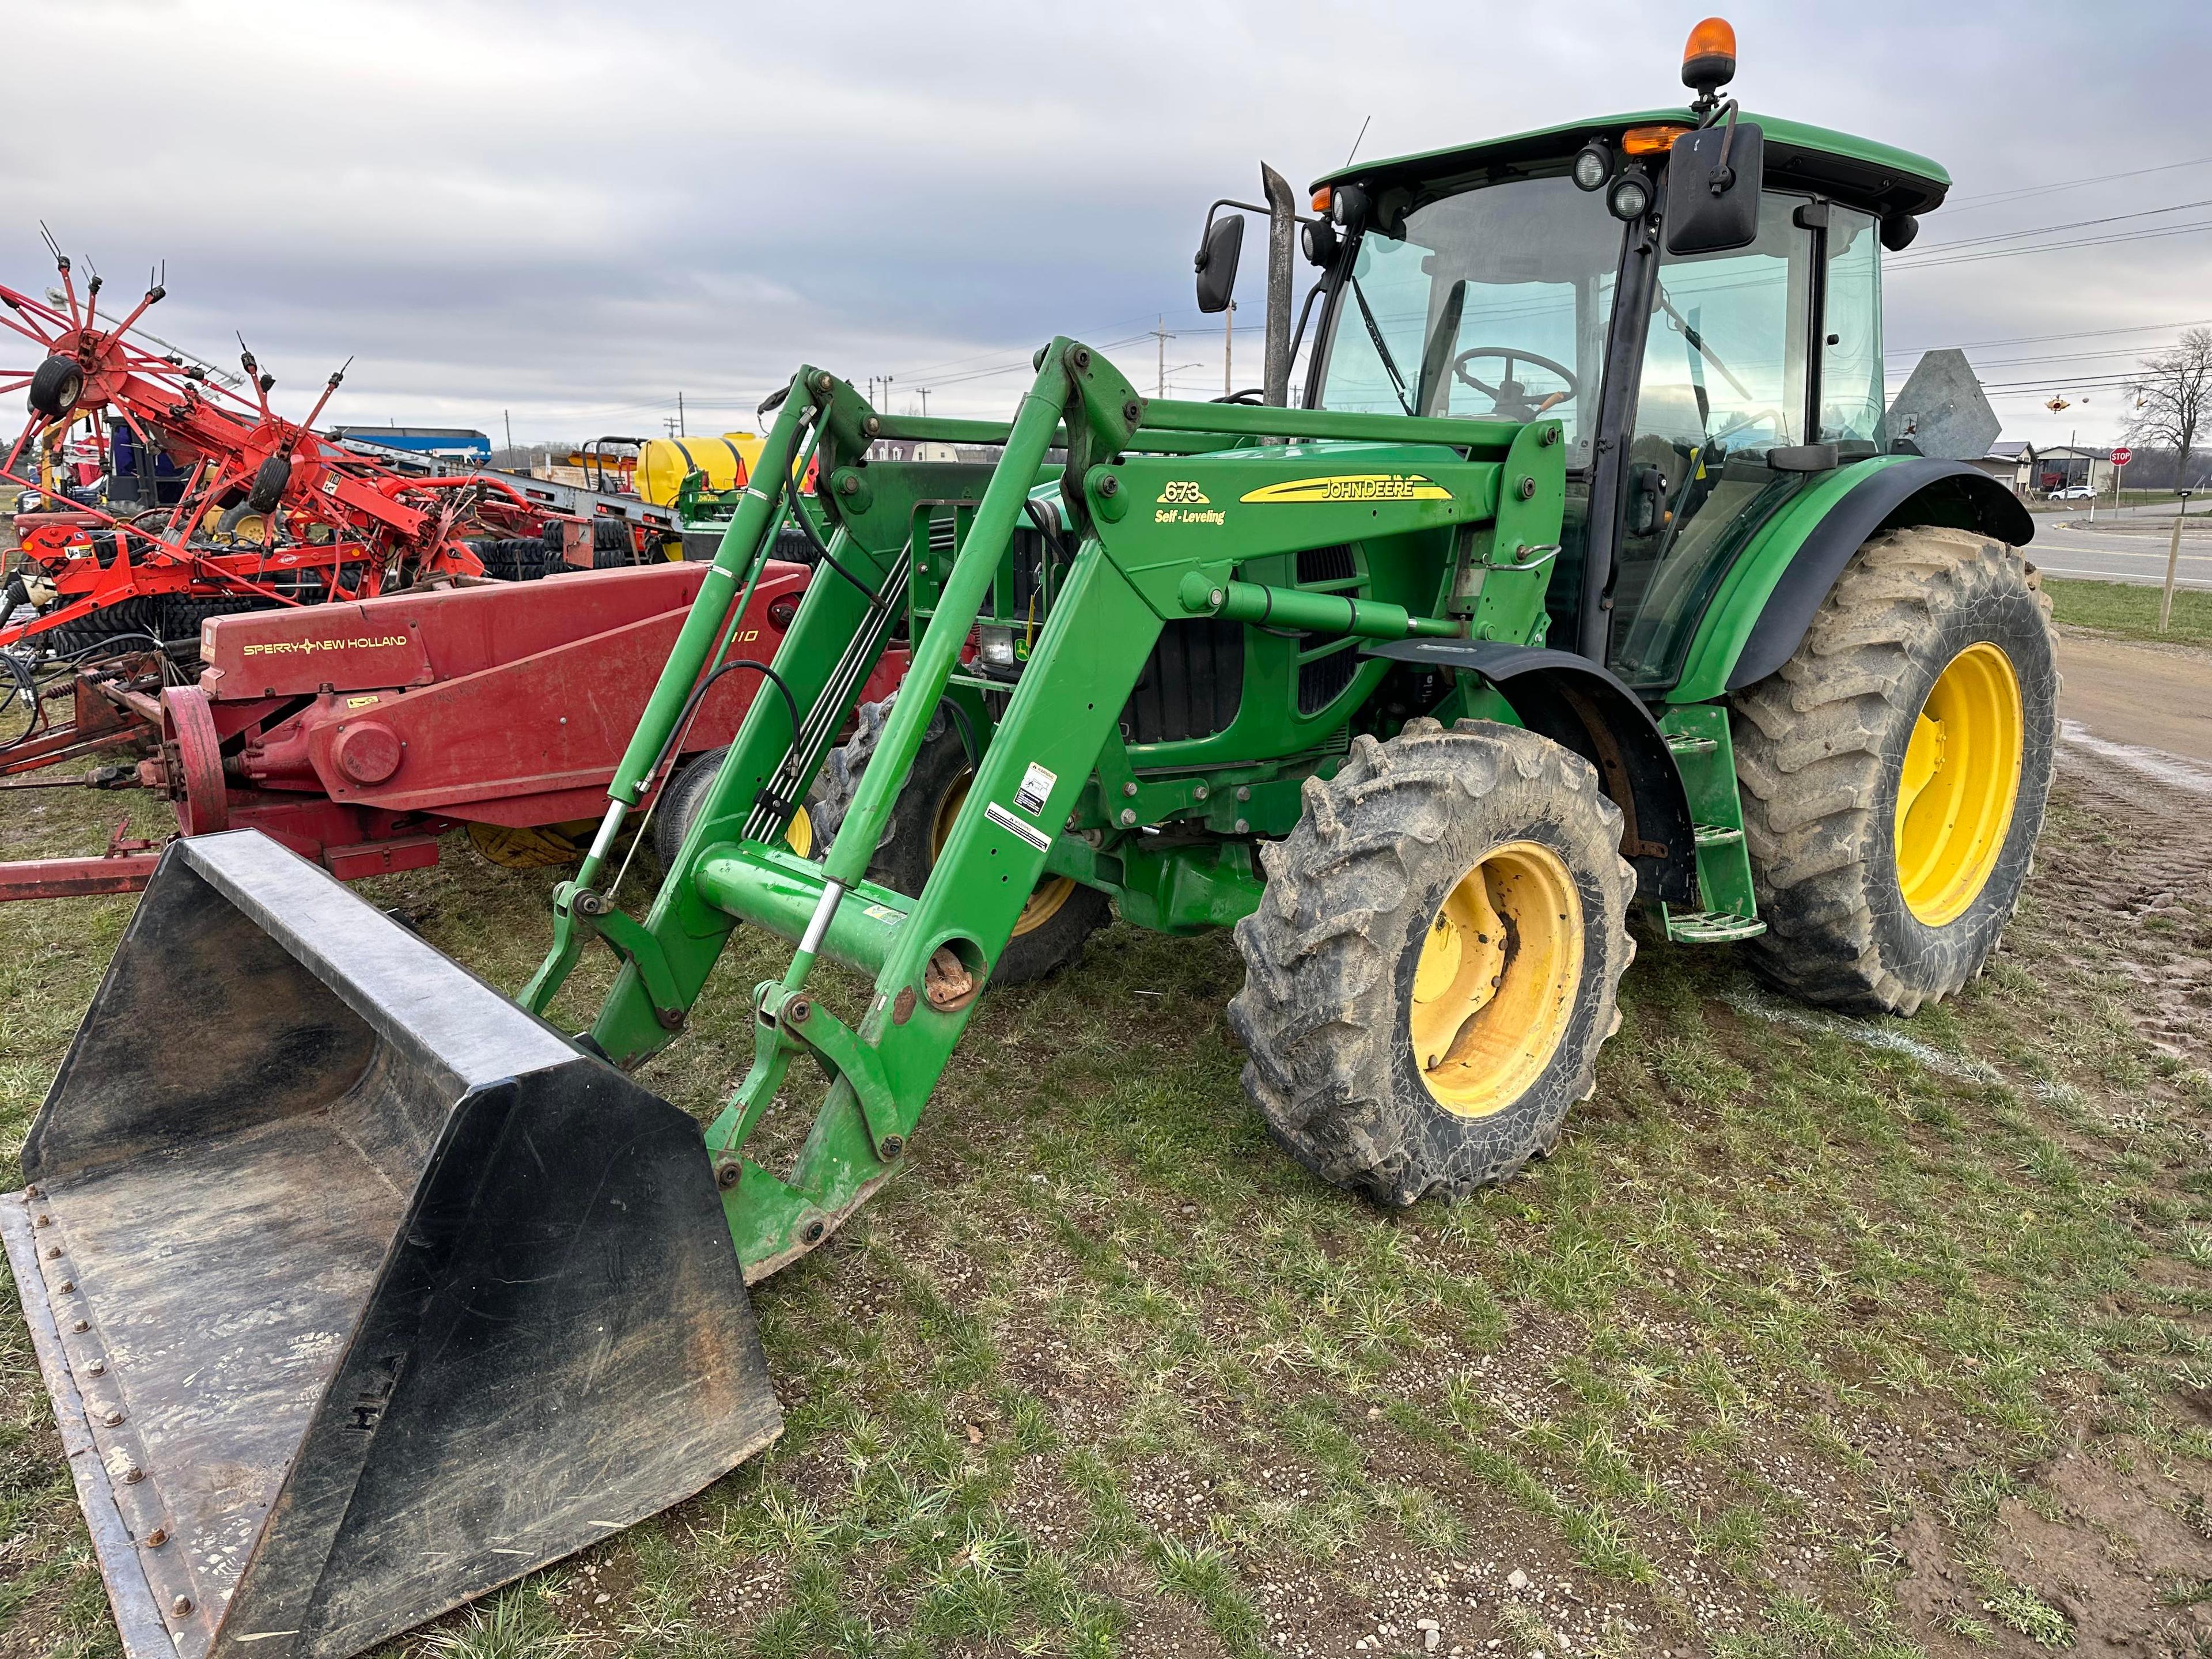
[(1433, 965), (1061, 915), (1894, 772)]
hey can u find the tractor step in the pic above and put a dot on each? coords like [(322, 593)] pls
[(1710, 927), (1697, 738)]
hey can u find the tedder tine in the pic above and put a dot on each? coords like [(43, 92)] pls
[(375, 1295)]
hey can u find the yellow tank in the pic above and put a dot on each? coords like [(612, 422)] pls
[(727, 461)]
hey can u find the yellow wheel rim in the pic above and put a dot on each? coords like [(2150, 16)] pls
[(800, 835), (1496, 984), (1961, 778), (1045, 899)]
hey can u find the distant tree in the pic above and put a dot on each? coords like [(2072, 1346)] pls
[(2173, 395)]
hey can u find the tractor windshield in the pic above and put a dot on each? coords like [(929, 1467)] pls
[(1493, 302)]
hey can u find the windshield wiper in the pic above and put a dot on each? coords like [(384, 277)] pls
[(1697, 343), (1381, 351)]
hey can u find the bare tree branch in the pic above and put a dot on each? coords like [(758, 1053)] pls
[(2172, 394)]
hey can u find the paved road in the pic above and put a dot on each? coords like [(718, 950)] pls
[(2068, 547)]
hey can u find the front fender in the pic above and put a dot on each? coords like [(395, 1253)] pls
[(1769, 595), (1582, 707)]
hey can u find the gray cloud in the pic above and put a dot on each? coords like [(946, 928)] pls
[(570, 212)]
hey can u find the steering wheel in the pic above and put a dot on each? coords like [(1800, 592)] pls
[(1509, 398)]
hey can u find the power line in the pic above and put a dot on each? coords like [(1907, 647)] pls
[(2039, 230), (2037, 339), (1905, 266), (1998, 197)]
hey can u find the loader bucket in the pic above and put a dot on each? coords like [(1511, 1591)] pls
[(358, 1291)]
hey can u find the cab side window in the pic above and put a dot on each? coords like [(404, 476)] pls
[(1851, 389)]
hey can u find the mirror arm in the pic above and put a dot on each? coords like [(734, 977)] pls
[(1256, 207), (1724, 174)]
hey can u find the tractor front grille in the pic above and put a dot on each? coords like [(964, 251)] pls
[(1327, 662), (1192, 684)]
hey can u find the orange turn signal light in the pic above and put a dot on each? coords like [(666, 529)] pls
[(1320, 199), (1649, 141)]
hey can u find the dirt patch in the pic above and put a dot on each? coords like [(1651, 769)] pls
[(2110, 1543), (2154, 696)]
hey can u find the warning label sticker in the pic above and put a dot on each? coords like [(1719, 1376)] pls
[(1014, 827), (1035, 789)]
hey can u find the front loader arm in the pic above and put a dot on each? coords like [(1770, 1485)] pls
[(1164, 507)]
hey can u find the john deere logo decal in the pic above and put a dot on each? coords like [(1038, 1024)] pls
[(1183, 493), (1350, 487)]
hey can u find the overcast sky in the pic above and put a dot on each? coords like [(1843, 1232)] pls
[(571, 213)]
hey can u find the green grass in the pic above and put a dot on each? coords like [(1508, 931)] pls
[(1102, 1371), (2130, 609)]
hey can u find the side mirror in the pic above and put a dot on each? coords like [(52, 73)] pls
[(1216, 262), (1712, 188)]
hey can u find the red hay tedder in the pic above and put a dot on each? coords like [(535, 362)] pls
[(303, 641)]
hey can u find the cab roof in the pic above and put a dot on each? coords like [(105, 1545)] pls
[(1880, 177)]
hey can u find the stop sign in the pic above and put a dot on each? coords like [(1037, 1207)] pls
[(2122, 455)]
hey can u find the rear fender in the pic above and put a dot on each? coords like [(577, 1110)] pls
[(1768, 599), (1581, 707)]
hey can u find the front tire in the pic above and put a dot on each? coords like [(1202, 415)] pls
[(1061, 915), (685, 793), (1433, 966), (1894, 772)]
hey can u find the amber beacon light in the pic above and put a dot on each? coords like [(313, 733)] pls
[(1709, 56)]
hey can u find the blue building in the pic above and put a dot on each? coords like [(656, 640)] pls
[(451, 443)]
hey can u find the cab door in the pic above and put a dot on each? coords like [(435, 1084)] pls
[(1728, 412)]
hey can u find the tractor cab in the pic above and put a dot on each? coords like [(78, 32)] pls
[(1706, 373)]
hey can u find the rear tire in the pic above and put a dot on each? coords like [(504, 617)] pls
[(1344, 984), (1821, 747), (1061, 914)]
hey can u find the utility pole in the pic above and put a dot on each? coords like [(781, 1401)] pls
[(1160, 333), (509, 419), (681, 430), (925, 403), (1229, 351), (2172, 558)]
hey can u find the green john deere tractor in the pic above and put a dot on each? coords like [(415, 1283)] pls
[(1585, 579)]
